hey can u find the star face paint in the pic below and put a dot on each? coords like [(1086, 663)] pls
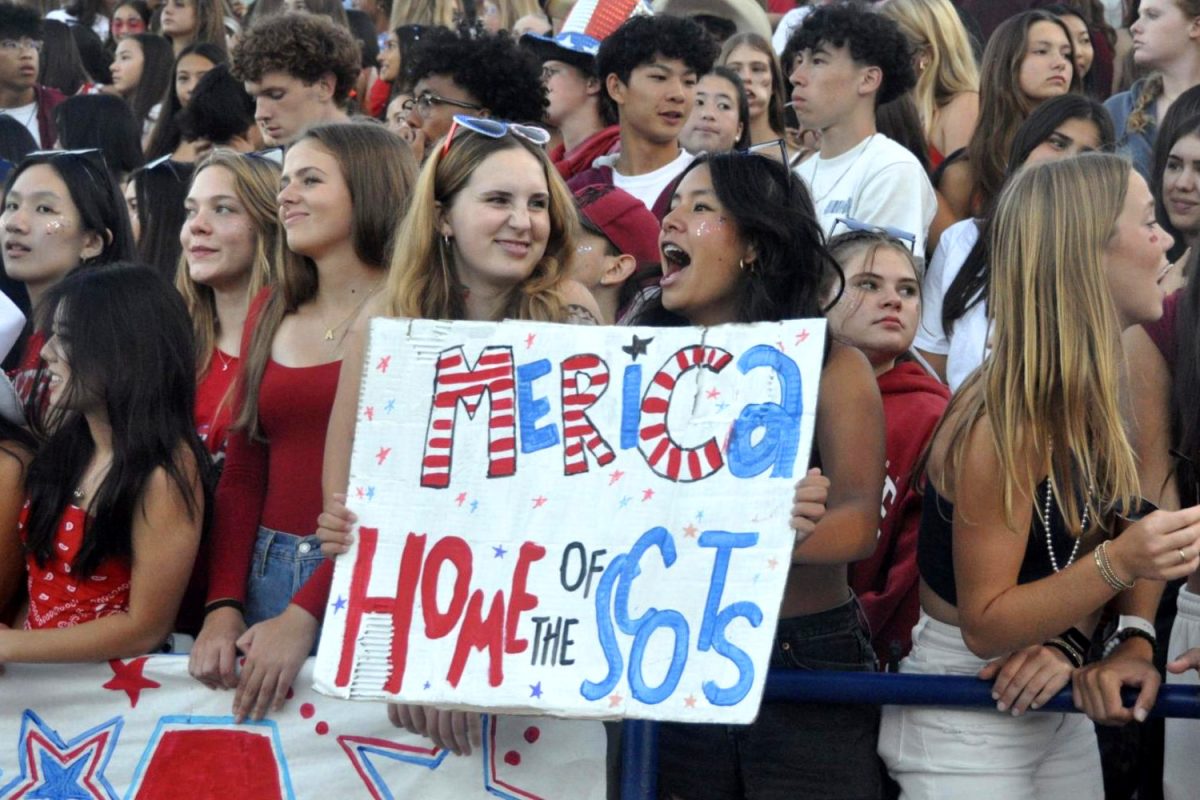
[(41, 232), (702, 251)]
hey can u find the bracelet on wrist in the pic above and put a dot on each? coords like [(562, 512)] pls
[(1104, 565), (1073, 655), (226, 603)]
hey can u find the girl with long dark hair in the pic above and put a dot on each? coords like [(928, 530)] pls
[(62, 211), (953, 333), (141, 73), (116, 495), (1029, 59), (742, 244), (192, 63)]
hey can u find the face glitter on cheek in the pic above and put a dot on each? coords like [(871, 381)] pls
[(54, 226), (707, 228)]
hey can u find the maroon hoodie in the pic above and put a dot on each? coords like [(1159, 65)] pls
[(580, 159), (886, 583)]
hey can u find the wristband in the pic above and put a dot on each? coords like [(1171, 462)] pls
[(226, 603), (1129, 627)]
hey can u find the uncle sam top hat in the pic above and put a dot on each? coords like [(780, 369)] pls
[(588, 24)]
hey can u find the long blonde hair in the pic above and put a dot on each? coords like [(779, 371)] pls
[(255, 182), (421, 281), (934, 27), (1050, 389), (444, 13)]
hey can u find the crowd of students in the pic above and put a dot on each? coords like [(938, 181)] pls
[(993, 204)]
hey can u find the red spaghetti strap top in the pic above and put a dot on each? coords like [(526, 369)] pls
[(58, 598)]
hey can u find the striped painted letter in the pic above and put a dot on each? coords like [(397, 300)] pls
[(458, 382)]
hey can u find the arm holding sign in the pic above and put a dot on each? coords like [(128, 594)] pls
[(850, 439), (456, 731)]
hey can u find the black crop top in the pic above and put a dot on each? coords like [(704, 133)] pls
[(935, 548)]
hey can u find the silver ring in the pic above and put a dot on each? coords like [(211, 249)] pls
[(1183, 559)]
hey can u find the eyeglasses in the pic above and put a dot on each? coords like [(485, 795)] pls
[(768, 149), (495, 129), (857, 226), (24, 43), (427, 100)]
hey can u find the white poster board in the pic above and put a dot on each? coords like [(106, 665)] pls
[(566, 520), (143, 729)]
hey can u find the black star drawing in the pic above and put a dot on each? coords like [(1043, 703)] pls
[(638, 347)]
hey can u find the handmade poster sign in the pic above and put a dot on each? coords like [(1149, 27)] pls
[(143, 729), (577, 521)]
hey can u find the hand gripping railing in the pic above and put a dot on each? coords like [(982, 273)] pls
[(639, 746)]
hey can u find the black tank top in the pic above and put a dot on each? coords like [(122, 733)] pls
[(935, 549)]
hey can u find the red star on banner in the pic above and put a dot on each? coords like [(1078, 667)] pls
[(690, 531), (614, 700), (647, 494), (690, 701), (128, 678)]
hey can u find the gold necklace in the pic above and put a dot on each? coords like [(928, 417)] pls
[(354, 312)]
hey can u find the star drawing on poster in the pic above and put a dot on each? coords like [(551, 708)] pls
[(53, 768), (637, 347)]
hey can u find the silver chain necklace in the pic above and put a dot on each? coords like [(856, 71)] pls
[(817, 165)]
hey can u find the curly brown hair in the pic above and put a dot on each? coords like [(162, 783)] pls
[(305, 46)]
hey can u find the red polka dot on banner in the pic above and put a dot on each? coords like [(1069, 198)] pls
[(532, 733), (307, 710), (322, 728), (512, 758)]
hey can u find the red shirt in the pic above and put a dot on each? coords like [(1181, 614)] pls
[(886, 583), (214, 405), (31, 361), (60, 599), (276, 483)]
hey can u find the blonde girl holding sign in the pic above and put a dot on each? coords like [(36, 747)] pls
[(487, 238)]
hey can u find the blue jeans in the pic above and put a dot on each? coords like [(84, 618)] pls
[(282, 563), (792, 750)]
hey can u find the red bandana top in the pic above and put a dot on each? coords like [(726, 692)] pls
[(58, 598)]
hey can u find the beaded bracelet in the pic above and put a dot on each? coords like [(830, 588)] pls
[(1100, 554)]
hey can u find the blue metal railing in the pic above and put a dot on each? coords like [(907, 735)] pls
[(639, 745)]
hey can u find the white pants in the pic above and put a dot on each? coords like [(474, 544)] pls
[(1181, 764), (982, 754)]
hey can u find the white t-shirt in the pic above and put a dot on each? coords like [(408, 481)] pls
[(99, 24), (649, 186), (27, 115), (966, 346), (877, 182)]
